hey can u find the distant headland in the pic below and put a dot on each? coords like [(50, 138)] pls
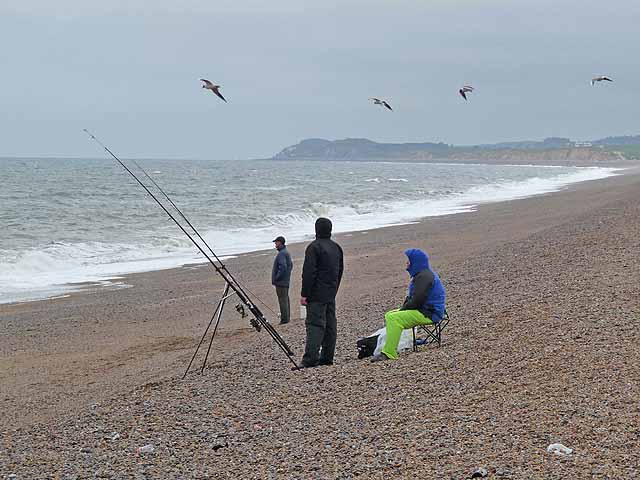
[(556, 149)]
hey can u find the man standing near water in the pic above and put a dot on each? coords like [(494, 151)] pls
[(280, 277), (321, 275)]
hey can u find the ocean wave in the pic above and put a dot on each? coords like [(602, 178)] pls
[(53, 269), (49, 269), (281, 188)]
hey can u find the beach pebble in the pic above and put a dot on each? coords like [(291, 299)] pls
[(503, 472), (479, 473), (559, 449), (145, 449)]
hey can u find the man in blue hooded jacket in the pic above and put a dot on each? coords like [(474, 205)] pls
[(423, 306)]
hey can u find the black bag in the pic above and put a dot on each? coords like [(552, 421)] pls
[(366, 346)]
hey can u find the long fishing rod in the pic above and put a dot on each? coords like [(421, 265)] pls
[(244, 289), (221, 270), (180, 213), (222, 265)]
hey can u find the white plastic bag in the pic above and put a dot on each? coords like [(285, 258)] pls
[(559, 449), (405, 343)]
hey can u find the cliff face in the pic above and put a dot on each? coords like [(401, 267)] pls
[(545, 152), (556, 156)]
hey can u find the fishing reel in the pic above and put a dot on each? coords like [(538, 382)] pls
[(240, 310), (254, 323)]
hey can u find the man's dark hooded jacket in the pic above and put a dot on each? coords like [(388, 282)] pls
[(323, 266)]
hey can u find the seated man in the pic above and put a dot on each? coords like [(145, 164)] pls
[(423, 306)]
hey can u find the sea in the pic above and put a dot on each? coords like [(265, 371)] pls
[(66, 223)]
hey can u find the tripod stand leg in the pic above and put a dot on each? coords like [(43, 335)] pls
[(215, 314), (218, 314)]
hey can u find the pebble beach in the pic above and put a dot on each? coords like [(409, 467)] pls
[(543, 347)]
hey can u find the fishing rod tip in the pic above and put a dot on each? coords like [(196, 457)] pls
[(89, 133)]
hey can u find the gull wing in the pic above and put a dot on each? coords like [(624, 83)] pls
[(217, 92)]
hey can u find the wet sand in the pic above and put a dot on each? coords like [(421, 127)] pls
[(543, 347)]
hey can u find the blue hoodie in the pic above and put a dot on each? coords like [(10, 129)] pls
[(435, 300)]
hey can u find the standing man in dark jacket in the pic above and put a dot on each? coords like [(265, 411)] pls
[(280, 277), (321, 275)]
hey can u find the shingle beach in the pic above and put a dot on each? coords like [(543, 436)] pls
[(543, 347)]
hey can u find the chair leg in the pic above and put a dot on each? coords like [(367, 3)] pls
[(415, 347), (434, 334)]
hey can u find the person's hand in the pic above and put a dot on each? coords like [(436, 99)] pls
[(303, 300)]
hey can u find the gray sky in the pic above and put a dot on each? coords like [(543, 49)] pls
[(292, 69)]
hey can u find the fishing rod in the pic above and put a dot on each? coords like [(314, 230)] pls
[(259, 320), (222, 265)]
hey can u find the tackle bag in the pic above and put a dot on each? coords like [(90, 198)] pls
[(366, 346)]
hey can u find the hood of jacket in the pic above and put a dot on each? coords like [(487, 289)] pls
[(418, 261), (323, 228)]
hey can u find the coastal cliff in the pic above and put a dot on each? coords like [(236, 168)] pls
[(558, 151)]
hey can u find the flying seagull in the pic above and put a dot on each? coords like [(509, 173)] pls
[(377, 101), (464, 90), (600, 79), (214, 88)]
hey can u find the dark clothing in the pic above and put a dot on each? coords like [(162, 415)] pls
[(322, 270), (426, 292), (321, 325), (283, 300), (282, 267), (421, 284), (321, 275)]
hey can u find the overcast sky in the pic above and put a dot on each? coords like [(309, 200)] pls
[(293, 69)]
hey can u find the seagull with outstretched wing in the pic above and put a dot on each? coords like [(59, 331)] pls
[(214, 88), (464, 90), (601, 78), (383, 103)]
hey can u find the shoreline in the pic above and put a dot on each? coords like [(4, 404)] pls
[(521, 366), (118, 280)]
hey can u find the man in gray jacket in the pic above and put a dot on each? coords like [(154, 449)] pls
[(280, 277)]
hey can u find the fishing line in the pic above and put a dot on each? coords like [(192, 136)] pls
[(220, 269)]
